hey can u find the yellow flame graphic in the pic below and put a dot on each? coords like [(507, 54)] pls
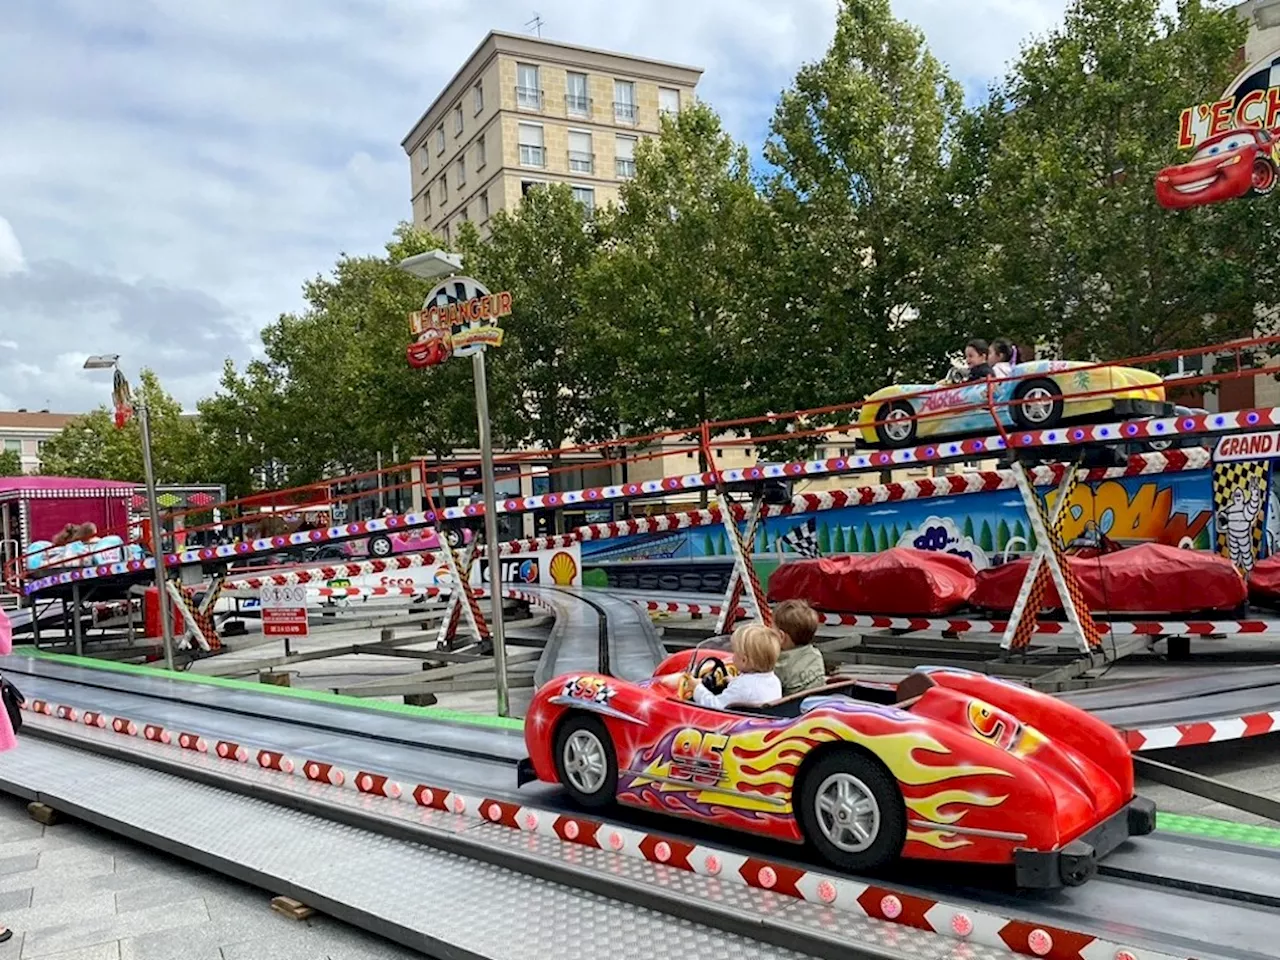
[(938, 839), (930, 808)]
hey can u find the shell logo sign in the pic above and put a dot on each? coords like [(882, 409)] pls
[(564, 569)]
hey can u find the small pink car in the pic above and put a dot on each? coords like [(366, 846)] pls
[(405, 541)]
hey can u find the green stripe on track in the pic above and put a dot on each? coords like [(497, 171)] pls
[(316, 696), (1252, 834)]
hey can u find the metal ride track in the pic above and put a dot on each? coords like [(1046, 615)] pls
[(1165, 893)]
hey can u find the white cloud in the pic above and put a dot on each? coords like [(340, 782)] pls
[(175, 171), (11, 258)]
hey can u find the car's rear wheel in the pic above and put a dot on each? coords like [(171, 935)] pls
[(895, 426), (851, 811), (380, 546), (1041, 405), (586, 763), (453, 538), (1264, 176)]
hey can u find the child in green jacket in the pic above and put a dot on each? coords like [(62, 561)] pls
[(800, 667)]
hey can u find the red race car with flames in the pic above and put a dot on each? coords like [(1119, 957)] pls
[(946, 765), (1224, 167)]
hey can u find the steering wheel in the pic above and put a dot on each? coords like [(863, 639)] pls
[(714, 672)]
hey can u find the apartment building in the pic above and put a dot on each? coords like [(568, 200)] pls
[(25, 433), (524, 111)]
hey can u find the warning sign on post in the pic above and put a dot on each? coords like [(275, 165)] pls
[(284, 611)]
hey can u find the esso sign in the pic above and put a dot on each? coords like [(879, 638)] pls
[(397, 582)]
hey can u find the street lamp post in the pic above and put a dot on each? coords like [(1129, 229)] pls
[(440, 265), (111, 361)]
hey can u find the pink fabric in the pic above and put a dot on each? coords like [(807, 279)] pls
[(7, 740)]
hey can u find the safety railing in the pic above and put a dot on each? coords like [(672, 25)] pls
[(434, 484)]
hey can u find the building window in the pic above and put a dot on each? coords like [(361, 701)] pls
[(424, 158), (527, 185), (13, 446), (460, 176), (426, 201), (457, 120), (480, 157), (625, 157), (464, 215), (532, 153), (484, 206), (440, 139), (576, 101), (528, 93), (585, 196), (624, 101), (581, 159), (477, 96), (668, 100), (443, 192), (447, 237)]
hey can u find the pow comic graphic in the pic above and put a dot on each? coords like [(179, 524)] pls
[(1239, 502)]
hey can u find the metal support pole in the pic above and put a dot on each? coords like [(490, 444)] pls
[(491, 532), (77, 628), (157, 541)]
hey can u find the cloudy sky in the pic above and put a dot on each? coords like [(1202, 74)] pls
[(170, 172)]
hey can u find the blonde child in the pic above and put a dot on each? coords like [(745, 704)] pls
[(800, 666), (755, 654)]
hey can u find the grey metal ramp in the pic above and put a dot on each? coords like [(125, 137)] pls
[(352, 750), (461, 737), (587, 618), (450, 888)]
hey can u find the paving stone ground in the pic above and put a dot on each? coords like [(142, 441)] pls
[(72, 892)]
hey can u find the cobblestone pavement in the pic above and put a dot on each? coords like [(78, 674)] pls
[(71, 892)]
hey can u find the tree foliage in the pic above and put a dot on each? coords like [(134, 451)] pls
[(10, 463), (1063, 241), (860, 142), (92, 446)]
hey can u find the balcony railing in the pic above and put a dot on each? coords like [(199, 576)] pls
[(625, 169), (528, 98), (577, 105), (580, 162), (625, 112), (531, 156)]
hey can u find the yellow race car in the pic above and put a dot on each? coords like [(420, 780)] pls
[(1036, 396)]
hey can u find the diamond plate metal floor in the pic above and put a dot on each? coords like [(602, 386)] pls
[(434, 901)]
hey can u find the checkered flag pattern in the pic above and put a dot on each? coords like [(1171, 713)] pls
[(804, 540), (1227, 479)]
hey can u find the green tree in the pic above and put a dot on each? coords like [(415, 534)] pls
[(868, 539), (1061, 241), (860, 140), (1002, 534), (839, 545), (10, 463), (824, 539), (985, 539), (92, 446), (675, 283)]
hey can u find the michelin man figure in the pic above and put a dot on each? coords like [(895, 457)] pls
[(1237, 521)]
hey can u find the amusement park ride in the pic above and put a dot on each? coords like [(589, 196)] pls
[(1070, 756)]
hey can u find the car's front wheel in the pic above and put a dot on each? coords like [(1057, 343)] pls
[(895, 424), (380, 546), (586, 763), (851, 811), (1264, 176)]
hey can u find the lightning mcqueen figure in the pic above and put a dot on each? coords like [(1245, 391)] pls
[(1224, 167), (946, 765)]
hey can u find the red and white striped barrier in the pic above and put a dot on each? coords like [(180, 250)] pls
[(879, 460), (302, 575), (962, 923), (1202, 732), (1119, 628)]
